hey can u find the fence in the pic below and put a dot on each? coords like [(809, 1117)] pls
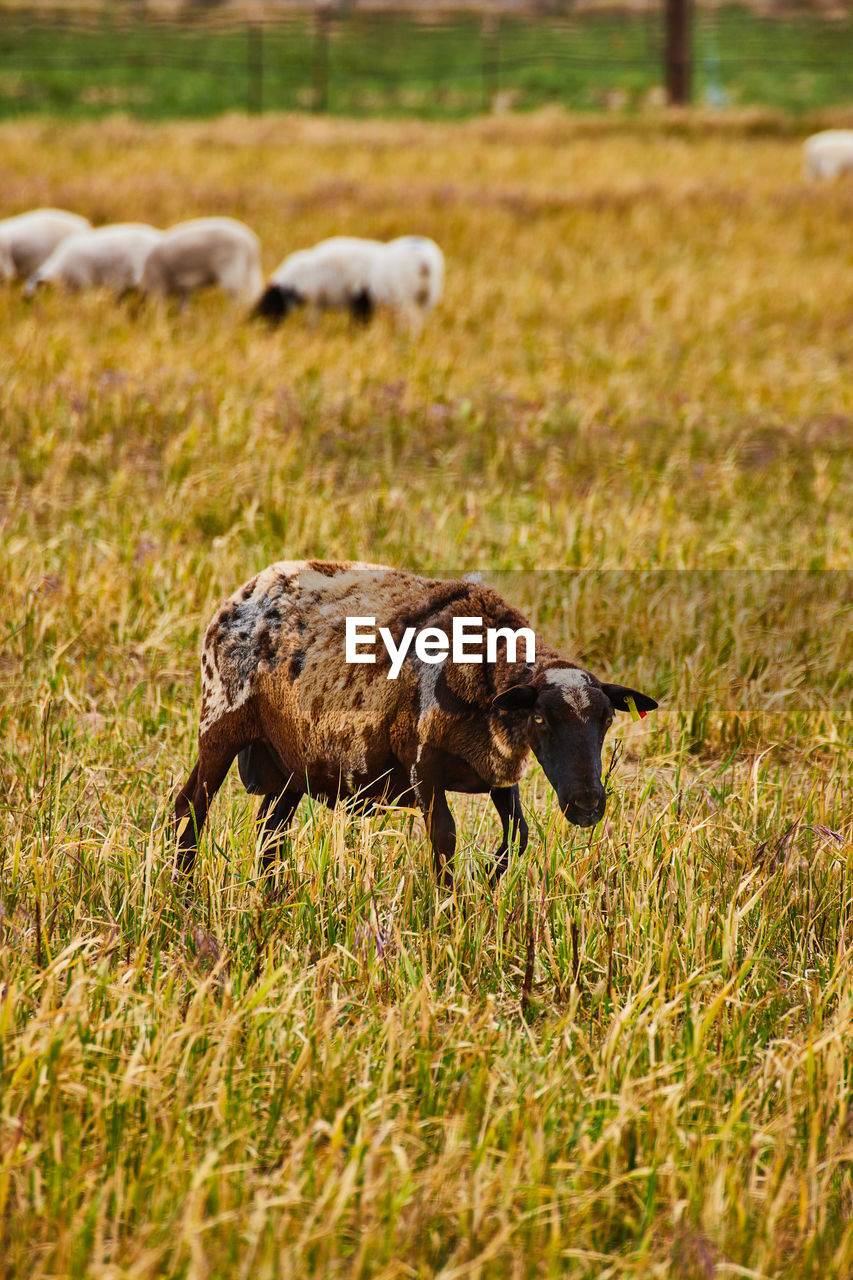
[(367, 62)]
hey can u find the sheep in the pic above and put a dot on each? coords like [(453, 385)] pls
[(828, 154), (28, 239), (283, 693), (206, 251), (406, 275), (112, 257), (334, 274)]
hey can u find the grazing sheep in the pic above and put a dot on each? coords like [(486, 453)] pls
[(828, 154), (305, 716), (332, 275), (406, 275), (28, 239), (206, 251), (111, 257)]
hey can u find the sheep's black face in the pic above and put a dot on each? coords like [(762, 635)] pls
[(569, 713), (277, 302)]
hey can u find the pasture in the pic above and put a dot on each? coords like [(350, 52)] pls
[(634, 412)]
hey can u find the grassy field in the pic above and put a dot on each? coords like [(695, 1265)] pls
[(634, 411), (393, 64)]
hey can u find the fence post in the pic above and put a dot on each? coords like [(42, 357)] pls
[(490, 36), (322, 22), (255, 67), (677, 55)]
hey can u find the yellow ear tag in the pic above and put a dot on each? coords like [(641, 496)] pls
[(632, 707)]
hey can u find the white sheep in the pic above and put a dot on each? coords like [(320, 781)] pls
[(828, 154), (28, 239), (206, 251), (334, 274), (406, 275), (110, 257)]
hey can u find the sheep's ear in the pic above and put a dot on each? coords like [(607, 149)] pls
[(619, 695), (520, 697)]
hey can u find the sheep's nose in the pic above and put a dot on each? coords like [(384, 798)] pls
[(585, 807)]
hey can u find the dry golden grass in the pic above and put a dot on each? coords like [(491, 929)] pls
[(634, 1058)]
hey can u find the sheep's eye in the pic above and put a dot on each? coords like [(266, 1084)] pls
[(539, 719)]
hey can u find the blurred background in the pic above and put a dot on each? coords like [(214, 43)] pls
[(161, 58)]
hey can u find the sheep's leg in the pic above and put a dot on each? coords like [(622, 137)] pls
[(132, 299), (362, 307), (261, 775), (442, 835), (184, 825), (415, 319), (277, 812), (260, 772), (508, 804), (194, 798), (439, 820)]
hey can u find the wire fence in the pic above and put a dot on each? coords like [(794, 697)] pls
[(368, 62)]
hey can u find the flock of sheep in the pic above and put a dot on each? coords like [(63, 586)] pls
[(406, 275), (53, 246)]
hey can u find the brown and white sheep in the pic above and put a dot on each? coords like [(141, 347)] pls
[(278, 692)]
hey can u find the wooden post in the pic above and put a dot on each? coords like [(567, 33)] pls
[(255, 67), (677, 55), (322, 24), (490, 30)]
